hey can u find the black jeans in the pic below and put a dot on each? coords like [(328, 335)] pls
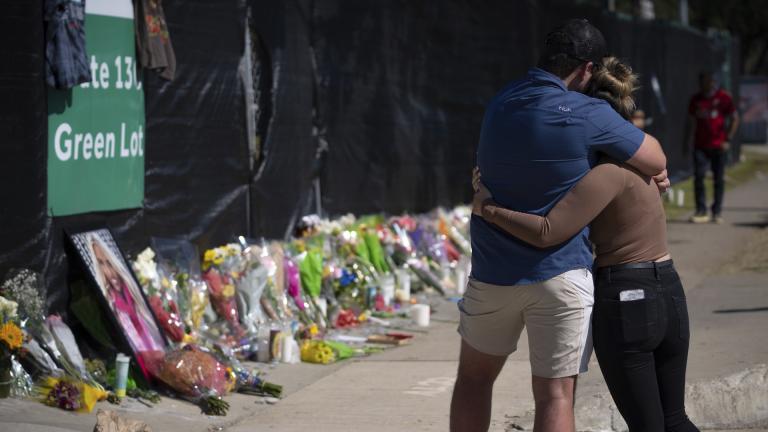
[(704, 159), (642, 345)]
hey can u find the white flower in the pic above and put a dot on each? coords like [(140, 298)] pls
[(347, 220), (8, 308), (146, 267), (146, 255), (234, 249)]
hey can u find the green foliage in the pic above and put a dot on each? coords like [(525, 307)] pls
[(311, 272)]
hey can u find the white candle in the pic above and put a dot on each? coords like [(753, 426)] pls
[(420, 314)]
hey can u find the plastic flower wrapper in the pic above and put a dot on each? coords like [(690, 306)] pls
[(222, 267), (250, 288), (247, 381), (447, 226), (14, 381), (401, 248), (293, 288), (197, 376), (160, 295), (178, 261), (62, 344), (273, 258), (67, 344), (310, 263), (21, 384), (376, 254), (425, 274), (38, 362)]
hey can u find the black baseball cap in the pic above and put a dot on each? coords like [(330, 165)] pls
[(578, 39)]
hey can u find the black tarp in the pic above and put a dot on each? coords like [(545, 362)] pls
[(395, 89), (196, 180)]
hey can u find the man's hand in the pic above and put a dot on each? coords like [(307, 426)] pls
[(662, 181)]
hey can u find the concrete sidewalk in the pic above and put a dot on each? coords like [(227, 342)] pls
[(409, 388)]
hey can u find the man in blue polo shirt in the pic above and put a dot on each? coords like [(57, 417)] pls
[(539, 137)]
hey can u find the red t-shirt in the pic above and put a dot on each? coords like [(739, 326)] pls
[(711, 113)]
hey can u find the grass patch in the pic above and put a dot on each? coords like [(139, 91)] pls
[(742, 172)]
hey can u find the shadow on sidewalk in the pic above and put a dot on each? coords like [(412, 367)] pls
[(728, 311), (752, 224)]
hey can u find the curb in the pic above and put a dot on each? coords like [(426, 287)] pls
[(736, 401)]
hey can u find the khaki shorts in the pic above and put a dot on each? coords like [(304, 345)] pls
[(557, 313)]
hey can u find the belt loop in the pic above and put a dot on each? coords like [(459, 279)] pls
[(656, 270)]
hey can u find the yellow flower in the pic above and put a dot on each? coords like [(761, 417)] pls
[(313, 330), (228, 291), (209, 254), (89, 396), (12, 335)]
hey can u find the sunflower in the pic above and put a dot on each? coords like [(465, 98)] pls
[(12, 335)]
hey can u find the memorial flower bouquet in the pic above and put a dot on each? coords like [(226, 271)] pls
[(69, 394), (310, 264), (178, 264), (294, 290), (247, 381), (161, 294), (11, 340), (251, 287), (197, 376), (274, 260), (23, 289), (222, 267)]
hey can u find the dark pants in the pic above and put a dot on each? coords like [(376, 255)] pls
[(642, 346), (704, 159)]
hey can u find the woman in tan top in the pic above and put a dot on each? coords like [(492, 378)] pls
[(640, 322)]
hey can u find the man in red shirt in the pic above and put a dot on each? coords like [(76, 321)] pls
[(713, 120)]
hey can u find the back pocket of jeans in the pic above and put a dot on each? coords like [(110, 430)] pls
[(681, 308), (639, 318)]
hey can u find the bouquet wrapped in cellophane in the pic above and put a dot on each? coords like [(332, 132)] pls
[(161, 294), (251, 287), (197, 376), (14, 381), (222, 267), (248, 381), (179, 268)]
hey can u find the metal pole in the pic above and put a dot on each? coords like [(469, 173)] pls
[(684, 12)]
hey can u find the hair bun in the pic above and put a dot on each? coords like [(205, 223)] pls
[(615, 82)]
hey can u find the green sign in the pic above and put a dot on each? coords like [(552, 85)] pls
[(96, 130)]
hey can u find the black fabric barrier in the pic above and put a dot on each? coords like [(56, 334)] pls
[(382, 101), (196, 155), (281, 180)]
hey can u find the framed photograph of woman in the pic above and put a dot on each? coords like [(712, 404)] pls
[(111, 275)]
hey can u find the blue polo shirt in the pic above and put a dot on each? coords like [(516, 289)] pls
[(537, 140)]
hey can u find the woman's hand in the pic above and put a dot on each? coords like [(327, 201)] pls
[(481, 193)]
